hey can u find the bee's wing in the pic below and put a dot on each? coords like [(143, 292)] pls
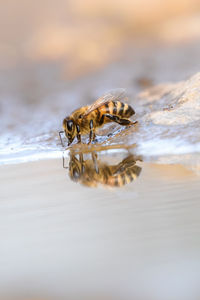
[(114, 95)]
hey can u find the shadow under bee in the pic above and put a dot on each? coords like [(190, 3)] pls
[(89, 170)]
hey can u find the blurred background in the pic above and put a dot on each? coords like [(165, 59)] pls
[(79, 37)]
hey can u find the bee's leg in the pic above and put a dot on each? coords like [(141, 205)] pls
[(94, 159), (120, 121), (78, 133), (64, 165), (62, 131), (92, 133), (82, 162), (94, 136)]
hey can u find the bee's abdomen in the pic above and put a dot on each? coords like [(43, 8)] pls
[(125, 177), (116, 108), (121, 109)]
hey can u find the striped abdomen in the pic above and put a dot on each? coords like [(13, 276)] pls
[(120, 109), (122, 178)]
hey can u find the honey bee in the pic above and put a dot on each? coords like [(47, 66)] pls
[(87, 119), (90, 172)]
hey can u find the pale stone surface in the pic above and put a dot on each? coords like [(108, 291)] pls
[(181, 103), (169, 123), (171, 111)]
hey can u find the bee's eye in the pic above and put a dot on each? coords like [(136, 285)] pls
[(69, 125)]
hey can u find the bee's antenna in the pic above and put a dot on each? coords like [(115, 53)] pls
[(62, 131)]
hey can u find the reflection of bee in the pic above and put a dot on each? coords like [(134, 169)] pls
[(92, 171), (86, 119)]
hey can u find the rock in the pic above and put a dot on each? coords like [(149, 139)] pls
[(181, 103), (169, 122)]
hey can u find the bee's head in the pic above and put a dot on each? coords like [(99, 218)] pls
[(70, 129)]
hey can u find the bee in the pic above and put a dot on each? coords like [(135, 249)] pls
[(87, 119), (90, 172)]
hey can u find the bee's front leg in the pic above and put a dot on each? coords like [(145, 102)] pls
[(78, 133), (62, 131)]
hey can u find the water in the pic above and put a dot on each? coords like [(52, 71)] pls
[(60, 239)]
